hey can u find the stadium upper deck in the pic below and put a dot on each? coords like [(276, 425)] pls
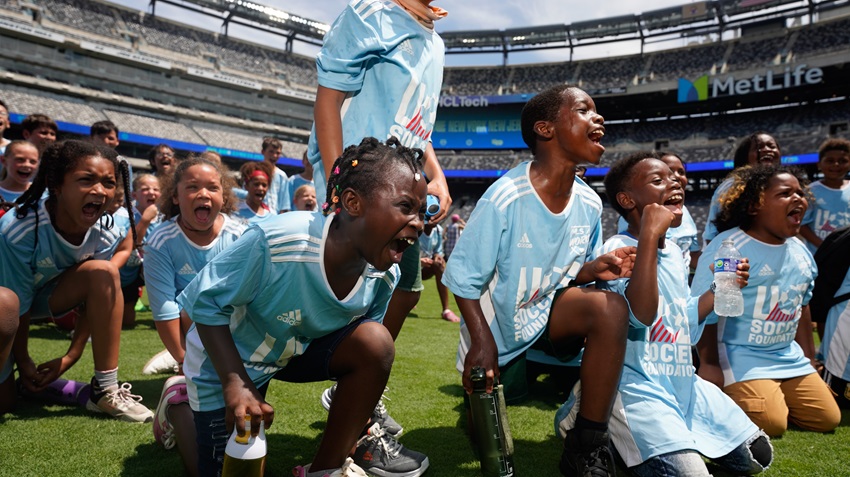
[(173, 82)]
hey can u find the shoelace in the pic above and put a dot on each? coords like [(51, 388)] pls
[(382, 410), (122, 395), (598, 462), (350, 469), (390, 446)]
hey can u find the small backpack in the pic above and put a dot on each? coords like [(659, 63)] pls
[(833, 261)]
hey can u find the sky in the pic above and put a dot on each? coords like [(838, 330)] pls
[(464, 15)]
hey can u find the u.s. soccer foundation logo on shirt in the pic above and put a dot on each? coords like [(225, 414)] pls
[(696, 90), (579, 238)]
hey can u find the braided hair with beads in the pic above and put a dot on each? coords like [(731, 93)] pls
[(362, 168)]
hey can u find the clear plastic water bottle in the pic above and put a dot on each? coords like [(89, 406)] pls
[(728, 299), (245, 455), (490, 427)]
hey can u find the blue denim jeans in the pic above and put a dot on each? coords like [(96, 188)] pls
[(689, 463)]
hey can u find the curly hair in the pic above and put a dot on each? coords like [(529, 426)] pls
[(834, 144), (544, 106), (747, 191), (364, 167), (169, 186), (620, 173), (251, 167)]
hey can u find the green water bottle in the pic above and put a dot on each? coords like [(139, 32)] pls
[(490, 427)]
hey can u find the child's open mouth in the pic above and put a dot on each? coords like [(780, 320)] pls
[(398, 246), (202, 214), (92, 210), (596, 135), (796, 216), (675, 202)]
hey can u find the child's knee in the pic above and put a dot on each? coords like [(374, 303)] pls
[(377, 344), (10, 310), (101, 270)]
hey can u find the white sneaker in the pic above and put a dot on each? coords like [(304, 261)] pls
[(349, 469), (161, 363), (118, 402)]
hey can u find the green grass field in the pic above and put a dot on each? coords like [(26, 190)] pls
[(425, 397)]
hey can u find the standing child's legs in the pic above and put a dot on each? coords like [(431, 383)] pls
[(131, 296), (9, 319)]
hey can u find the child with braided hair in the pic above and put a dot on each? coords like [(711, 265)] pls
[(300, 298), (764, 360), (60, 252)]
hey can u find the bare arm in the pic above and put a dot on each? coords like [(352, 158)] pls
[(642, 291), (807, 233), (438, 185), (804, 336), (122, 253), (482, 350), (240, 395), (326, 114)]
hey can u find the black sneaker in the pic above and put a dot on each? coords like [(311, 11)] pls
[(586, 454), (379, 454)]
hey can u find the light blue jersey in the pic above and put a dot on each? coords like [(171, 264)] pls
[(515, 253), (271, 289), (760, 344), (277, 196), (685, 235), (29, 265), (172, 261), (430, 245), (828, 212), (247, 216), (836, 336), (7, 195), (713, 209), (391, 66), (295, 182), (662, 406)]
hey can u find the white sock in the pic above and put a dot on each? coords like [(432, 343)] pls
[(106, 379)]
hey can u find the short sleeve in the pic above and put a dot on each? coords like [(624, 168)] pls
[(349, 48), (473, 260), (232, 278)]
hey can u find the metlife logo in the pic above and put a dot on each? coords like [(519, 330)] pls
[(704, 87)]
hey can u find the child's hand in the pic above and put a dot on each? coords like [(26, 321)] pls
[(614, 264), (654, 221), (484, 354), (743, 272), (243, 399), (149, 214)]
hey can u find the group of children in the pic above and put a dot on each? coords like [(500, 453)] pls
[(533, 242), (242, 293)]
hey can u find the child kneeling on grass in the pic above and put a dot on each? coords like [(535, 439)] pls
[(765, 358), (60, 252), (300, 298), (666, 418), (528, 242)]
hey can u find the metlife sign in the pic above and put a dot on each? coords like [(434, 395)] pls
[(704, 87)]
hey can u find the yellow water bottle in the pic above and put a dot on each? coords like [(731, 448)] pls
[(245, 455)]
